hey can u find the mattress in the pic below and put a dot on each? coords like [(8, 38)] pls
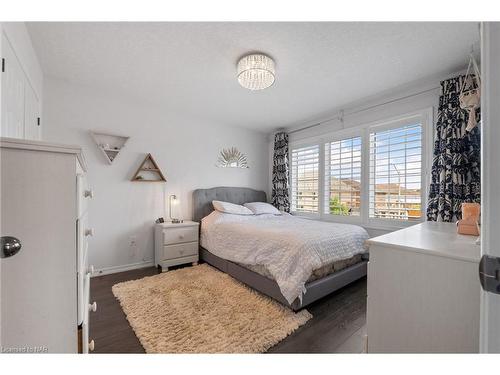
[(288, 249), (316, 274)]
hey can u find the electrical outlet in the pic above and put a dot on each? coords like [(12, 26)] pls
[(132, 246), (133, 241)]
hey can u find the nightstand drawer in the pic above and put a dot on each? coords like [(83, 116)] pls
[(180, 235), (180, 250)]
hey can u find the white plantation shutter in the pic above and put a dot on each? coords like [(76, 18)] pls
[(396, 173), (343, 177), (305, 179)]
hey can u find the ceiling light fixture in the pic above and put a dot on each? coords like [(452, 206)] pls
[(256, 71)]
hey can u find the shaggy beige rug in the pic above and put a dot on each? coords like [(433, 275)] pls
[(202, 310)]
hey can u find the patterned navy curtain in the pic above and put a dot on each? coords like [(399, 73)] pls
[(456, 168), (280, 198)]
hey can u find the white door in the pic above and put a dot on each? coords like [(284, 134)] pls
[(31, 113), (39, 282), (12, 93), (490, 180)]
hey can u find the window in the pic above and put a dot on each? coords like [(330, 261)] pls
[(372, 175), (343, 177), (396, 173), (305, 179)]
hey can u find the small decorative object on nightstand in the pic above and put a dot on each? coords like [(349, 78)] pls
[(176, 244)]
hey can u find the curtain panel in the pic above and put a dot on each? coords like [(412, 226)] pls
[(280, 193), (456, 168)]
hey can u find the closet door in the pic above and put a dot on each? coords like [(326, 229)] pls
[(12, 93), (31, 113)]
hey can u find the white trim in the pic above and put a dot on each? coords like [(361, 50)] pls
[(321, 180), (490, 179), (115, 269), (424, 116), (367, 227), (365, 176), (485, 179)]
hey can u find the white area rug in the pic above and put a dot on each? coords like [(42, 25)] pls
[(202, 310)]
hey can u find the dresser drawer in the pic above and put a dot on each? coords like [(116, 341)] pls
[(180, 250), (180, 235)]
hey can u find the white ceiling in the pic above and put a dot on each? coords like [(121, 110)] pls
[(190, 68)]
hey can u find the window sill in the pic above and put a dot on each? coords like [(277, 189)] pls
[(391, 226), (302, 215)]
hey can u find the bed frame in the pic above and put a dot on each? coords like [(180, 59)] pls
[(202, 206)]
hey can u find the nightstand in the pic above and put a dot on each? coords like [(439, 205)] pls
[(176, 244)]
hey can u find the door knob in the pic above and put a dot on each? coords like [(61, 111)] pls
[(10, 246)]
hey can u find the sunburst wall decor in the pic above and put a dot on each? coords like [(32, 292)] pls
[(232, 158)]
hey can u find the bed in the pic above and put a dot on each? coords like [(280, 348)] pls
[(312, 289)]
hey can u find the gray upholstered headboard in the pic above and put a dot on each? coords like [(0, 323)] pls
[(202, 198)]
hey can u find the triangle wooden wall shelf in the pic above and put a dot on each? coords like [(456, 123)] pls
[(148, 171)]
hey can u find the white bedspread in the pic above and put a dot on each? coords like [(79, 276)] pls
[(290, 248)]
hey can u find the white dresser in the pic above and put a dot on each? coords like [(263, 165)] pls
[(45, 286), (423, 291), (176, 244)]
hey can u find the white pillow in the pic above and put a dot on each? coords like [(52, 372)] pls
[(231, 208), (259, 208)]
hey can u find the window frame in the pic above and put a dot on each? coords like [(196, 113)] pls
[(311, 215), (336, 137), (424, 117)]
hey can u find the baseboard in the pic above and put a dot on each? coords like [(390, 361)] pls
[(126, 267)]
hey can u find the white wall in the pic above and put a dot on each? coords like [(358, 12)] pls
[(401, 100), (186, 150)]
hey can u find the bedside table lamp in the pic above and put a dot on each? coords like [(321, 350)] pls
[(173, 201)]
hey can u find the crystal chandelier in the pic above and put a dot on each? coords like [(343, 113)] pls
[(256, 71)]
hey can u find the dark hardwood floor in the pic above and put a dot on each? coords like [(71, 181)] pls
[(337, 326)]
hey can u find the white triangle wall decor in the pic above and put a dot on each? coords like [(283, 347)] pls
[(109, 144)]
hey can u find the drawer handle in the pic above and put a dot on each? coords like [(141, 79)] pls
[(88, 193), (181, 236), (89, 232), (93, 306), (91, 345)]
